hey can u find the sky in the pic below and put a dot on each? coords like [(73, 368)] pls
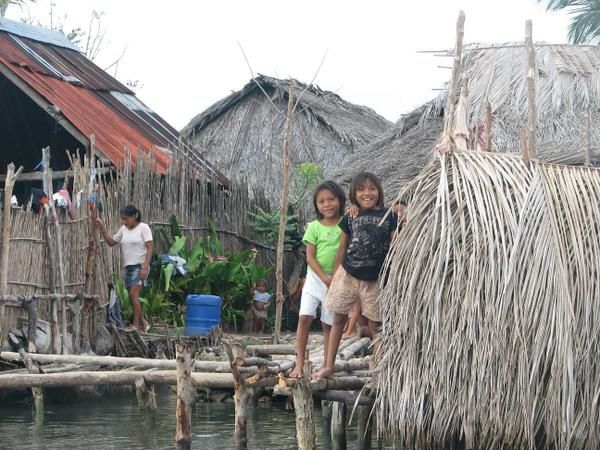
[(186, 54)]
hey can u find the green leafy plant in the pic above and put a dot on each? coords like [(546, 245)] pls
[(267, 223), (305, 179)]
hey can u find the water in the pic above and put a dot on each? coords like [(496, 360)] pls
[(116, 422)]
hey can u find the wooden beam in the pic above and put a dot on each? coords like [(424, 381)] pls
[(531, 92), (56, 175), (453, 90)]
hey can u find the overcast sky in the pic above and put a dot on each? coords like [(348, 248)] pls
[(186, 55)]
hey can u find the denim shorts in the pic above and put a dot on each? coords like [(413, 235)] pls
[(132, 275)]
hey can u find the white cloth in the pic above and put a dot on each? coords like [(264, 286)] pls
[(262, 297), (313, 297), (133, 243)]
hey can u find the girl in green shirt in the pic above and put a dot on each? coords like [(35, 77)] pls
[(322, 240)]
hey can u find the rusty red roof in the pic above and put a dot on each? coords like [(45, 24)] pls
[(92, 101)]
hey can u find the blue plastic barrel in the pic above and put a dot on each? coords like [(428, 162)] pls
[(202, 313)]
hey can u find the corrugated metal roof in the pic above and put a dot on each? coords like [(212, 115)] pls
[(36, 33), (93, 101)]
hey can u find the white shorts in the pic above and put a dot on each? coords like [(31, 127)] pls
[(313, 297)]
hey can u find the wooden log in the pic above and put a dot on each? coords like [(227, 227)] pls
[(283, 206), (351, 350), (58, 257), (531, 92), (255, 361), (51, 252), (38, 394), (146, 397), (363, 424), (11, 176), (455, 78), (242, 393), (338, 426), (56, 174), (115, 361), (271, 349), (350, 398), (185, 393), (306, 438), (86, 378), (36, 297)]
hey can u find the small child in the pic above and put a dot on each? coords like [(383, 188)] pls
[(261, 300), (363, 248), (322, 240)]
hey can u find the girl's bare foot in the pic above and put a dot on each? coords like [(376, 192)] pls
[(348, 334), (296, 373), (324, 373)]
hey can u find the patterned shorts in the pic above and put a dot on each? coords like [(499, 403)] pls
[(345, 290), (132, 275)]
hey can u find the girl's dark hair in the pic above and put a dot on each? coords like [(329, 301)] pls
[(359, 180), (336, 190), (132, 211)]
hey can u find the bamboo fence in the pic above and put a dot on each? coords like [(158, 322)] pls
[(184, 192)]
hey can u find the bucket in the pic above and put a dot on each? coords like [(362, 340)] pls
[(202, 313)]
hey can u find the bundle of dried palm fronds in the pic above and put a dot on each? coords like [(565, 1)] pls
[(492, 305)]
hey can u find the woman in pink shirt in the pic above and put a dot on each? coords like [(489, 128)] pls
[(135, 238)]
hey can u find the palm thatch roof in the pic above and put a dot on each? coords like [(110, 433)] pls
[(242, 134), (568, 83), (492, 307)]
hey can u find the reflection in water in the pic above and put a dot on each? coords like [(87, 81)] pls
[(115, 422)]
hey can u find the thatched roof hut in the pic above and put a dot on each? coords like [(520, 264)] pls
[(492, 307), (568, 84), (242, 134)]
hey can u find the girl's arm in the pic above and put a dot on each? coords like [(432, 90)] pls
[(311, 259), (147, 259), (107, 237), (339, 257)]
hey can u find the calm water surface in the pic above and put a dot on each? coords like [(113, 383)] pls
[(115, 422)]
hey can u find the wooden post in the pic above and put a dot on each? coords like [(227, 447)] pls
[(242, 393), (183, 433), (488, 126), (364, 426), (283, 215), (304, 408), (455, 78), (531, 92), (326, 416), (51, 250), (38, 394), (588, 136), (11, 177), (91, 251), (31, 325), (338, 426), (524, 146), (145, 395), (57, 257)]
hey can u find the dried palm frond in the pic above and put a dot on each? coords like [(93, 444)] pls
[(492, 305)]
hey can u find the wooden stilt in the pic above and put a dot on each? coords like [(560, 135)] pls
[(51, 252), (38, 394), (326, 406), (11, 177), (183, 433), (338, 426), (145, 395), (31, 325), (531, 92), (304, 408), (242, 393), (283, 215), (364, 426)]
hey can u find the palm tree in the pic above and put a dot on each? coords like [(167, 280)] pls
[(5, 3), (585, 23)]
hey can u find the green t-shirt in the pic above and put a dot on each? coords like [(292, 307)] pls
[(327, 240)]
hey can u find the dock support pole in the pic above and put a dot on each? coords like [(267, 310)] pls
[(242, 393), (183, 433), (304, 409), (145, 395), (338, 426), (364, 426)]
